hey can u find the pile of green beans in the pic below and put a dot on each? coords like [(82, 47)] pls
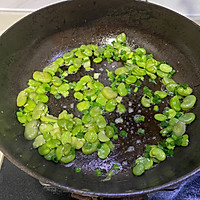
[(58, 138)]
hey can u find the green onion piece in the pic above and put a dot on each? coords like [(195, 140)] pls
[(98, 172), (123, 133), (77, 169)]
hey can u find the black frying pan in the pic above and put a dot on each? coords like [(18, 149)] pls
[(38, 39)]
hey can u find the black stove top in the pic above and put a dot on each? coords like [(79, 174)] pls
[(17, 185)]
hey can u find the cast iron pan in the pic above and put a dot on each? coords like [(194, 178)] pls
[(41, 37)]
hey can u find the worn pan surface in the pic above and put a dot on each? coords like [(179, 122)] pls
[(38, 39)]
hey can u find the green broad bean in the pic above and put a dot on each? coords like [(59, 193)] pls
[(138, 71), (151, 75), (109, 131), (31, 129), (121, 89), (148, 163), (151, 65), (56, 81), (33, 83), (111, 105), (164, 132), (185, 140), (43, 77), (89, 148), (86, 119), (54, 90), (95, 111), (175, 103), (84, 105), (39, 109), (145, 101), (171, 86), (101, 99), (63, 89), (32, 95), (77, 63), (165, 68), (66, 137), (157, 153), (91, 136), (69, 158), (121, 38), (59, 152), (72, 69), (138, 169), (51, 155), (29, 106), (76, 129), (104, 151), (188, 102), (21, 117), (121, 70), (171, 113), (160, 117), (53, 143), (88, 52), (108, 53), (51, 69), (43, 150), (30, 90), (90, 92), (56, 133), (173, 121), (79, 86), (102, 136), (43, 88), (77, 143), (131, 79), (187, 118), (140, 51), (184, 92), (97, 60), (22, 98), (166, 80), (161, 94), (59, 61), (100, 121), (39, 141), (121, 108), (68, 55), (98, 85), (78, 95), (66, 149), (161, 74), (77, 121), (65, 124), (179, 128), (45, 128), (108, 93), (63, 115), (93, 47), (48, 118), (41, 98)]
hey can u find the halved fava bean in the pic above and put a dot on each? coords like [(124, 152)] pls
[(131, 79), (77, 143), (43, 77), (89, 148), (161, 94), (111, 105), (165, 68), (122, 91), (171, 86), (43, 150), (104, 151), (84, 105), (187, 118), (40, 109), (52, 69), (179, 128), (175, 103), (31, 129), (68, 158), (184, 92), (148, 163), (39, 141), (160, 117), (108, 93), (22, 98), (145, 101), (166, 80), (100, 121), (102, 136), (91, 136), (29, 106), (121, 70), (188, 102)]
